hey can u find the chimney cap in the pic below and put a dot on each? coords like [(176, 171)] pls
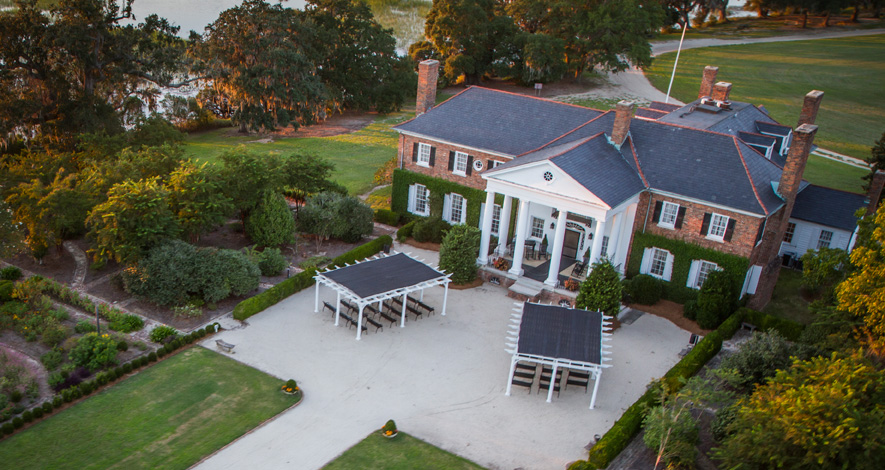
[(807, 129)]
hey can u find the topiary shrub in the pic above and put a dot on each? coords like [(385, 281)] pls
[(27, 416), (387, 217), (18, 422), (152, 357), (38, 412), (127, 368), (122, 345), (601, 290), (389, 428), (47, 407), (10, 273), (406, 230), (716, 300), (271, 223), (458, 252), (645, 289), (430, 230), (690, 310), (58, 401), (7, 429)]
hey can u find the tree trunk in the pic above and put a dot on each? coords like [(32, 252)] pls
[(243, 129), (804, 19), (854, 13), (826, 18)]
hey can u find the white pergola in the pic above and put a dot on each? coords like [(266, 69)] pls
[(374, 280), (559, 337)]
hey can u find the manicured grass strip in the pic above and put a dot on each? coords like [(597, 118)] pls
[(777, 75), (356, 156), (787, 301), (168, 416), (403, 452)]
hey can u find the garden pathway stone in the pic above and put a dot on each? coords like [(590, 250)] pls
[(82, 265)]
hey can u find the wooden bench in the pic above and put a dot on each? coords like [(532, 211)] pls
[(226, 347), (377, 325), (420, 304), (353, 308), (351, 322), (579, 378), (391, 309), (329, 306)]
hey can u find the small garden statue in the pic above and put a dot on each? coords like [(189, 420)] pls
[(389, 429)]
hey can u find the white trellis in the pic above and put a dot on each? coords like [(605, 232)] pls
[(572, 363), (380, 262)]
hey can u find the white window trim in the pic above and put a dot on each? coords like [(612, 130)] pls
[(648, 256), (670, 225), (791, 234), (532, 228), (413, 199), (449, 205), (496, 217), (710, 234), (694, 273), (496, 163), (829, 241), (458, 157), (421, 153)]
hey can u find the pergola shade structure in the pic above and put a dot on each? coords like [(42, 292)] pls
[(375, 280), (560, 337)]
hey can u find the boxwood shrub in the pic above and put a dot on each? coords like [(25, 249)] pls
[(18, 422), (387, 217), (47, 407), (645, 289), (152, 357), (10, 273), (28, 416), (127, 368), (7, 429), (37, 412), (57, 402), (406, 230)]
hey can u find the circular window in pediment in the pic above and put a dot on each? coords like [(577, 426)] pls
[(477, 165), (548, 176)]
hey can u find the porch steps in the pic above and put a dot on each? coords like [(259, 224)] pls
[(526, 289)]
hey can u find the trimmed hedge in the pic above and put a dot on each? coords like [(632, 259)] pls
[(629, 424), (304, 279), (406, 230), (387, 217), (683, 253), (787, 328)]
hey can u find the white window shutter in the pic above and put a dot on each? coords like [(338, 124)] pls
[(482, 213), (693, 274), (646, 261), (668, 269), (447, 208), (463, 210), (412, 196)]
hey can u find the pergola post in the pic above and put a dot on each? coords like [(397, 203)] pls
[(513, 362), (316, 299), (552, 383), (445, 298), (359, 322), (402, 320), (337, 307), (598, 375)]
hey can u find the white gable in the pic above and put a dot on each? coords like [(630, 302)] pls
[(537, 177)]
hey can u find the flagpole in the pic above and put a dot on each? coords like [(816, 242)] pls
[(673, 75)]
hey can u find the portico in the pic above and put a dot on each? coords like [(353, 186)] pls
[(556, 209)]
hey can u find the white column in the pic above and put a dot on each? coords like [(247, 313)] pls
[(598, 375), (445, 298), (552, 384), (519, 250), (402, 320), (597, 241), (513, 361), (613, 240), (627, 235), (486, 228), (337, 308), (316, 299), (359, 322), (504, 225), (558, 242)]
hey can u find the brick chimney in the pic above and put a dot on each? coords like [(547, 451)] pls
[(791, 177), (428, 72), (623, 116), (721, 91), (810, 107), (707, 81), (875, 192)]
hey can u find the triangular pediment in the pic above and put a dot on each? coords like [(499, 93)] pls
[(545, 177)]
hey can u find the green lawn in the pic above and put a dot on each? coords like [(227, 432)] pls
[(787, 301), (168, 416), (356, 156), (403, 452), (778, 75)]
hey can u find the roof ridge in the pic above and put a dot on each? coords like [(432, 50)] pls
[(755, 133), (416, 116), (750, 176), (832, 189), (774, 124), (577, 143), (538, 98), (636, 159), (567, 133)]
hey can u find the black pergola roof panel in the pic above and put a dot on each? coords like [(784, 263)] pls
[(383, 275), (561, 333)]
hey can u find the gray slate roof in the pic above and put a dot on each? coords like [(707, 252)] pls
[(600, 168), (498, 121), (757, 139), (560, 333), (650, 113), (830, 207), (741, 117)]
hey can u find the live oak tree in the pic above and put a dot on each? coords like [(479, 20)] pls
[(263, 59), (77, 69)]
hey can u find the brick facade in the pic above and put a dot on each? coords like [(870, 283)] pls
[(743, 239), (441, 155)]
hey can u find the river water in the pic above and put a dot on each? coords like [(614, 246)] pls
[(191, 14)]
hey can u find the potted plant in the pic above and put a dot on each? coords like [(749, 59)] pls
[(389, 430), (501, 264), (290, 387)]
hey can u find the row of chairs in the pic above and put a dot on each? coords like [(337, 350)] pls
[(526, 372), (391, 311)]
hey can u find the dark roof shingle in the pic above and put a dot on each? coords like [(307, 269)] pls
[(830, 207)]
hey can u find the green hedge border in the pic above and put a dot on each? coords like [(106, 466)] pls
[(683, 253), (629, 424), (304, 279)]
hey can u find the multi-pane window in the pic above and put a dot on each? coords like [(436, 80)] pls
[(460, 166), (496, 219), (788, 235), (603, 250), (658, 262), (422, 195), (537, 227), (457, 214), (669, 211), (704, 270), (424, 154), (826, 237), (718, 225)]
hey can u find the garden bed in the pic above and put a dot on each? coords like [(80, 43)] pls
[(673, 312)]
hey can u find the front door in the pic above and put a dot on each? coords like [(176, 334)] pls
[(570, 243)]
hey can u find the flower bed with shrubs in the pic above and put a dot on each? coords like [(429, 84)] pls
[(100, 380), (116, 318)]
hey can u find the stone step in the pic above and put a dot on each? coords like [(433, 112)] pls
[(527, 287)]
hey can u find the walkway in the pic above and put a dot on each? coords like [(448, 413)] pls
[(441, 378)]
